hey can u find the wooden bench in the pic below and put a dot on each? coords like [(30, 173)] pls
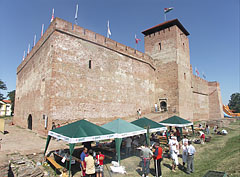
[(55, 164), (107, 156)]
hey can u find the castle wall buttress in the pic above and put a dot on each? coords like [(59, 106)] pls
[(215, 101), (184, 76), (32, 89)]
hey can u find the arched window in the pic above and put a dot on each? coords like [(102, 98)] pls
[(30, 122)]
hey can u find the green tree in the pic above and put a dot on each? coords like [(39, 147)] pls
[(11, 96), (2, 87), (234, 103)]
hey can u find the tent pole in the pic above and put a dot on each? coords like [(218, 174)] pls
[(192, 129), (47, 143), (71, 148), (147, 136), (118, 142), (167, 135)]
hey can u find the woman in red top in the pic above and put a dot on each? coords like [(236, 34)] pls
[(202, 137), (99, 167), (157, 160)]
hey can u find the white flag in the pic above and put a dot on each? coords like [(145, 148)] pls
[(52, 15), (108, 30), (76, 14), (28, 49), (42, 30), (23, 55), (34, 40)]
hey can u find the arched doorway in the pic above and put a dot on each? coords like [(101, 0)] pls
[(30, 122), (163, 106)]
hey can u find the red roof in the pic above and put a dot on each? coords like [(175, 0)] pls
[(7, 101), (165, 25)]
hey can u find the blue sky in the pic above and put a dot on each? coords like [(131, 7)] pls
[(213, 26)]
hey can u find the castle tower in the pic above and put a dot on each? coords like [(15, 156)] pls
[(167, 43)]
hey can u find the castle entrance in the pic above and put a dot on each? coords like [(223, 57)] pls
[(30, 122), (163, 105)]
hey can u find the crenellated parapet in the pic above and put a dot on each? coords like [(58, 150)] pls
[(68, 28)]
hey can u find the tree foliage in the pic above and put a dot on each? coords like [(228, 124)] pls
[(234, 103), (11, 96), (2, 87)]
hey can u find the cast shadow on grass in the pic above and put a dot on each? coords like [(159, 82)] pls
[(182, 168), (167, 165), (139, 171)]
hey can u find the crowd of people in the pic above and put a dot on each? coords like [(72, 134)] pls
[(92, 163)]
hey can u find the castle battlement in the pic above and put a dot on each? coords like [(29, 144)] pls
[(68, 28), (200, 79)]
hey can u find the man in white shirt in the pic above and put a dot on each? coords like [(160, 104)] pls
[(190, 157), (174, 150), (184, 150)]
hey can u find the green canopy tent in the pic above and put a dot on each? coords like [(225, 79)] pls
[(148, 123), (79, 131), (122, 129), (177, 122)]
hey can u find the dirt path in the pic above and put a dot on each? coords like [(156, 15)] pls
[(23, 141)]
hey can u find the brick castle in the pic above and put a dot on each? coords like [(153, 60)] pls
[(73, 73)]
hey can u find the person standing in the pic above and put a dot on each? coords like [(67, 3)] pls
[(128, 145), (146, 157), (178, 135), (207, 130), (53, 126), (190, 157), (174, 149), (158, 160), (139, 113), (83, 163), (99, 168), (90, 165), (156, 107), (184, 150), (202, 137)]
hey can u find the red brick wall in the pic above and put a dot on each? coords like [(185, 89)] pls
[(56, 79), (215, 101)]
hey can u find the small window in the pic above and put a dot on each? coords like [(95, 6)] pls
[(168, 29), (185, 76), (90, 64), (160, 46)]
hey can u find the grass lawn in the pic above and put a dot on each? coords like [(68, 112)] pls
[(221, 154)]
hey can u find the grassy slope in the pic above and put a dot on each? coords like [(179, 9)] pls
[(221, 154)]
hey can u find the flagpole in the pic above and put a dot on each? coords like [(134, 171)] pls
[(165, 16), (135, 42)]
